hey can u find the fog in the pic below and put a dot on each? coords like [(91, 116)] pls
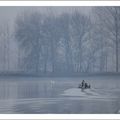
[(60, 40), (60, 60)]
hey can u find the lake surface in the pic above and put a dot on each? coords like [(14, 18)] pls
[(48, 95)]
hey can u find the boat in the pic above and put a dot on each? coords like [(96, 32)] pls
[(84, 87)]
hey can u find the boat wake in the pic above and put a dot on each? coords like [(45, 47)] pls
[(88, 93)]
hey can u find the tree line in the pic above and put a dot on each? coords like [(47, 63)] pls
[(67, 43)]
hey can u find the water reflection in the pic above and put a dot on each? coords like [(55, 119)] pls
[(36, 89), (45, 97)]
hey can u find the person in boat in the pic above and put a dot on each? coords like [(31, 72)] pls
[(83, 84), (87, 85)]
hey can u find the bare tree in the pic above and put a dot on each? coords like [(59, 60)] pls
[(109, 19), (28, 34), (5, 37), (80, 28)]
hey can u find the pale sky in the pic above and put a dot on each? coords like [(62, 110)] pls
[(9, 13)]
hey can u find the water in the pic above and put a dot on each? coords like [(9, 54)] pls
[(59, 95)]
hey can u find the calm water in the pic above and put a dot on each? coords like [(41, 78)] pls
[(46, 95)]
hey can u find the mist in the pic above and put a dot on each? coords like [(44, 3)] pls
[(59, 41)]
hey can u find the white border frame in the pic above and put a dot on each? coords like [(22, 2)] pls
[(60, 116), (59, 3)]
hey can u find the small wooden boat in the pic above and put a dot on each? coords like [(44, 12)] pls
[(84, 87)]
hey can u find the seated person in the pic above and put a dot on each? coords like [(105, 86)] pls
[(86, 85), (83, 83)]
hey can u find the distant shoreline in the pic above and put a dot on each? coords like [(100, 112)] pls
[(21, 74)]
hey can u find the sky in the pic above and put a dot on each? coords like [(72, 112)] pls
[(9, 13)]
